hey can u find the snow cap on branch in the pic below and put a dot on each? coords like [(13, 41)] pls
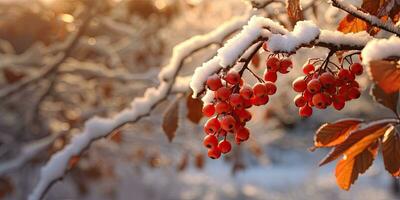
[(378, 49), (338, 38)]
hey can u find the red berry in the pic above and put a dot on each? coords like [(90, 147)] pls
[(273, 64), (210, 141), (354, 84), (259, 90), (214, 82), (247, 103), (354, 93), (305, 111), (271, 88), (285, 66), (327, 80), (356, 68), (344, 91), (222, 107), (212, 126), (214, 153), (233, 78), (208, 110), (345, 75), (307, 95), (243, 115), (308, 69), (314, 86), (299, 84), (228, 123), (259, 101), (338, 102), (270, 76), (320, 100), (236, 101), (242, 133), (300, 101), (225, 146), (246, 92), (223, 93)]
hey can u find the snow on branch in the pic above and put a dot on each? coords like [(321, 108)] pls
[(373, 20), (280, 40), (96, 128), (378, 49)]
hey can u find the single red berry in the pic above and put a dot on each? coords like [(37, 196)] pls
[(308, 69), (344, 91), (271, 88), (210, 141), (354, 93), (225, 146), (270, 76), (228, 123), (331, 90), (345, 75), (242, 133), (214, 153), (247, 103), (212, 126), (338, 102), (307, 95), (222, 107), (246, 92), (208, 110), (354, 84), (299, 84), (285, 66), (300, 101), (305, 111), (356, 68), (244, 115), (232, 77), (236, 101), (259, 101), (223, 93), (320, 100), (259, 90), (327, 80), (273, 64), (214, 82), (314, 86)]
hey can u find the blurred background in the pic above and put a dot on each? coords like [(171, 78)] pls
[(104, 53)]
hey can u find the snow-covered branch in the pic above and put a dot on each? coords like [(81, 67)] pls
[(280, 40), (379, 49), (96, 128), (373, 20)]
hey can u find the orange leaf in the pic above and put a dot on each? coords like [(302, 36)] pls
[(116, 136), (294, 11), (347, 170), (388, 100), (391, 151), (357, 141), (386, 74), (332, 134), (256, 61), (351, 24)]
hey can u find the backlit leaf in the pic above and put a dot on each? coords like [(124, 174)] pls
[(194, 107), (170, 119), (391, 151), (388, 100), (386, 74), (332, 134), (294, 11)]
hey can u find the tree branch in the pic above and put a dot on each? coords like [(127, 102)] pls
[(373, 20)]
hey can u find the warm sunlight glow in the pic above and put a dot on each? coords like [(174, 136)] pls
[(67, 18)]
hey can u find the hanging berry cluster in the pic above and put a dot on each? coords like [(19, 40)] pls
[(228, 111), (322, 87)]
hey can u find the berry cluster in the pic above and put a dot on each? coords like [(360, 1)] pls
[(323, 87), (228, 111)]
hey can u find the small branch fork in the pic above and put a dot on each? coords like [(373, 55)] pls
[(373, 20)]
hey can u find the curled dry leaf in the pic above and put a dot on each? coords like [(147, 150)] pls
[(194, 107), (391, 151), (386, 74), (332, 134), (347, 170), (294, 11), (357, 141), (170, 119), (12, 76), (388, 100)]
